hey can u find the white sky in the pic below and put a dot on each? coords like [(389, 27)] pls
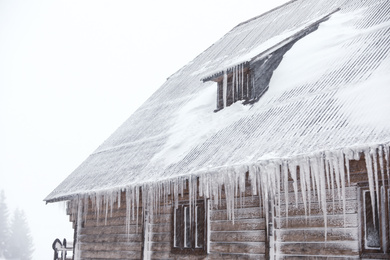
[(72, 71)]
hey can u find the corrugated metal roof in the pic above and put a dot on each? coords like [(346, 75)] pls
[(331, 91)]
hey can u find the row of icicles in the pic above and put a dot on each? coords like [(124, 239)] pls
[(317, 174)]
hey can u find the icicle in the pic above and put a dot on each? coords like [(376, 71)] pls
[(106, 203), (316, 178), (347, 159), (278, 189), (286, 195), (133, 201), (387, 155), (128, 210), (176, 192), (327, 171), (242, 79), (137, 189), (252, 179), (370, 181), (331, 173), (375, 162), (381, 165), (337, 175), (247, 85), (241, 86), (119, 198), (98, 200), (259, 190), (234, 86), (86, 202), (79, 220), (303, 180), (383, 215), (321, 172), (341, 165), (293, 173), (148, 235), (306, 167), (225, 79)]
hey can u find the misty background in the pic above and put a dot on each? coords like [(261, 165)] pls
[(72, 71)]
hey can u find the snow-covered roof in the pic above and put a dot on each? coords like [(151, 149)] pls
[(330, 92)]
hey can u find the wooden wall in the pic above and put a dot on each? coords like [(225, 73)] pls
[(302, 236), (295, 237), (107, 238), (245, 239)]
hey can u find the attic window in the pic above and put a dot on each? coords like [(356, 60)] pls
[(248, 81), (233, 86)]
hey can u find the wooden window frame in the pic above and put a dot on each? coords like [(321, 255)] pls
[(193, 248), (239, 86), (383, 215)]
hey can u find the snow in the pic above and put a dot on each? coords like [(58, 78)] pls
[(326, 105)]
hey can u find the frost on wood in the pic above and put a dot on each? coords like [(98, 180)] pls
[(317, 174)]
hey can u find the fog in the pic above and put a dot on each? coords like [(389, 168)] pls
[(72, 71)]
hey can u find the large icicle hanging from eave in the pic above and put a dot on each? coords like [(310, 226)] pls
[(312, 176)]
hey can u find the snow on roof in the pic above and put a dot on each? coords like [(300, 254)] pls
[(330, 92)]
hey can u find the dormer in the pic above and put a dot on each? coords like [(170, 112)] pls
[(249, 80)]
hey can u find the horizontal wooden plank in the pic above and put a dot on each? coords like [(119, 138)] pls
[(110, 255), (162, 237), (162, 219), (324, 248), (241, 213), (110, 238), (161, 228), (214, 256), (239, 224), (239, 236), (317, 234), (350, 194), (238, 248), (161, 255), (351, 206), (133, 229), (351, 220), (118, 246), (317, 257), (102, 216), (161, 246), (244, 202), (120, 221)]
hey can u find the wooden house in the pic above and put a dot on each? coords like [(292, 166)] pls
[(271, 144)]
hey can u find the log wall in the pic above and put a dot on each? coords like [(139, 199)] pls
[(245, 239), (302, 236), (299, 236), (107, 237)]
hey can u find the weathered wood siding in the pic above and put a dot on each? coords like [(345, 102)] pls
[(301, 236), (106, 237), (243, 239), (298, 236)]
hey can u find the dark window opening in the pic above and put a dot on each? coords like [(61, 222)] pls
[(190, 228), (371, 223), (375, 224), (234, 85)]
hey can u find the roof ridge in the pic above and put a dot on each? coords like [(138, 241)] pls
[(263, 14)]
